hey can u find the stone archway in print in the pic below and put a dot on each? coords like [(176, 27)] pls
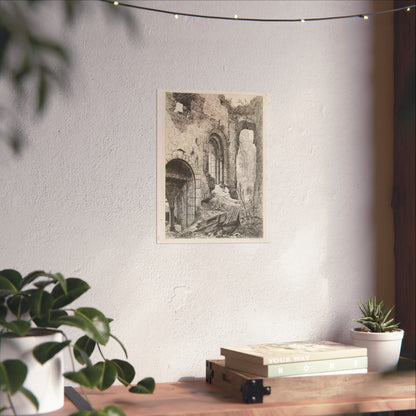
[(180, 194)]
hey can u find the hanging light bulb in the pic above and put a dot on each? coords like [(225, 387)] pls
[(115, 3)]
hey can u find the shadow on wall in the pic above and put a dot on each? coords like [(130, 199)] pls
[(403, 202), (382, 142), (364, 246)]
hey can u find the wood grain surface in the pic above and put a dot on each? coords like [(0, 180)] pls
[(301, 396)]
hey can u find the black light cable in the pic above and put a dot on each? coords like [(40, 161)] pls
[(364, 16)]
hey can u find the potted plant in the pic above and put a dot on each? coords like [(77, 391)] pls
[(34, 310), (380, 335)]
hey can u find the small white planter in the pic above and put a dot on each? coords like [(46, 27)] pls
[(44, 381), (383, 348)]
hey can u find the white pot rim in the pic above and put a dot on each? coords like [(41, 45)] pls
[(396, 334)]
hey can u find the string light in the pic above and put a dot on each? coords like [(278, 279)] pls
[(249, 19)]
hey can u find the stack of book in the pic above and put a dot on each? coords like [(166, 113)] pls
[(296, 359)]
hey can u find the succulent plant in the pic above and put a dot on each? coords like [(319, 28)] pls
[(375, 318)]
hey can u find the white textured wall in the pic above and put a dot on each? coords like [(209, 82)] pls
[(81, 199)]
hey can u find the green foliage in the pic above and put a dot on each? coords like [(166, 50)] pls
[(105, 411), (39, 62), (12, 375), (125, 371), (375, 318), (91, 321), (145, 386), (108, 374), (83, 349), (88, 376), (29, 395), (40, 300), (44, 352)]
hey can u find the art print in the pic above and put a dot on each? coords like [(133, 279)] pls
[(210, 167)]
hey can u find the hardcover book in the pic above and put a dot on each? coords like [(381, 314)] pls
[(292, 352), (331, 373), (315, 367)]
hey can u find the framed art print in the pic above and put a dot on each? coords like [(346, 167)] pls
[(210, 167)]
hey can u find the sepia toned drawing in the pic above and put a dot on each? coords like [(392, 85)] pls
[(210, 167)]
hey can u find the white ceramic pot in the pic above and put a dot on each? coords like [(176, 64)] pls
[(44, 381), (383, 348)]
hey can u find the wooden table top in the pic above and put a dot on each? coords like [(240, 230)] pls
[(198, 398)]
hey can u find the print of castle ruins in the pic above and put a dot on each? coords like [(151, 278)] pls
[(213, 148)]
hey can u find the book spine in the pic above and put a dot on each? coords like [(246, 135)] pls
[(261, 358), (313, 367), (314, 356), (288, 369), (333, 373)]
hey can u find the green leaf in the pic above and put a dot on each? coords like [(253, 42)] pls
[(75, 321), (89, 320), (125, 371), (105, 411), (145, 386), (108, 374), (40, 304), (18, 305), (30, 396), (7, 287), (374, 317), (13, 276), (61, 280), (12, 375), (82, 357), (83, 349), (55, 316), (88, 376), (75, 288), (83, 413), (43, 284), (18, 327), (45, 351), (54, 277), (31, 277), (110, 411), (119, 342), (3, 312), (98, 328), (388, 313)]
